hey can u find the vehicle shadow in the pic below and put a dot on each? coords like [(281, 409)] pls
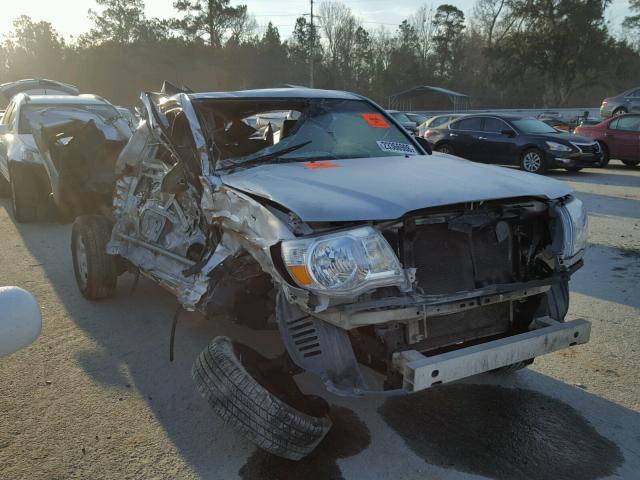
[(132, 336)]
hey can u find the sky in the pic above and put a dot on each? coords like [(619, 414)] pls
[(69, 17)]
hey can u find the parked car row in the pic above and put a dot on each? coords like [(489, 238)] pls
[(526, 142)]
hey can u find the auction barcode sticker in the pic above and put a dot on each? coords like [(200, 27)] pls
[(396, 147)]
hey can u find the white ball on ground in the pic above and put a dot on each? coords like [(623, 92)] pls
[(20, 319)]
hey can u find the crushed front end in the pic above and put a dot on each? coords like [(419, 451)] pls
[(486, 279)]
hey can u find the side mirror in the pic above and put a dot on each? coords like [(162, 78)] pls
[(426, 146), (4, 128), (508, 133), (20, 321)]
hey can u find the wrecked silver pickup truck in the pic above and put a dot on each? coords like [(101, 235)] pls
[(363, 247)]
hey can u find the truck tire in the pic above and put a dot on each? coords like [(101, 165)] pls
[(246, 403), (24, 197), (555, 305), (631, 163), (95, 270)]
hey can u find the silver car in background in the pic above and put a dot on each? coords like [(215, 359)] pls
[(45, 152), (626, 102)]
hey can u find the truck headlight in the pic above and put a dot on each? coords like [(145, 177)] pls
[(557, 147), (575, 228), (343, 263)]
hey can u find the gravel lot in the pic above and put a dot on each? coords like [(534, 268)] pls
[(96, 395)]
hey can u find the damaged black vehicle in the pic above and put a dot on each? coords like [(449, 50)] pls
[(372, 252)]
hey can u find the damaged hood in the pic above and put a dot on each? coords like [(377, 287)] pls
[(386, 188)]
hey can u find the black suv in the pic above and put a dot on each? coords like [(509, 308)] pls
[(513, 140)]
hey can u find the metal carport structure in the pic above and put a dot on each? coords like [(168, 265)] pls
[(404, 100)]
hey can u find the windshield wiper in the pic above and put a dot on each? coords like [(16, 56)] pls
[(268, 156), (314, 158)]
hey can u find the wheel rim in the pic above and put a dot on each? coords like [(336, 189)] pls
[(532, 162), (81, 263)]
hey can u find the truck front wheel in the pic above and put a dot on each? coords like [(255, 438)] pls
[(96, 271)]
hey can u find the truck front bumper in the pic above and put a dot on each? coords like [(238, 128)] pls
[(420, 372)]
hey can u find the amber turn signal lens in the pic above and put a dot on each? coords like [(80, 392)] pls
[(301, 274)]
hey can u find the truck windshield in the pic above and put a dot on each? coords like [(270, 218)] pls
[(319, 128)]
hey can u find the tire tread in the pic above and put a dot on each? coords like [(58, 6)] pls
[(259, 415)]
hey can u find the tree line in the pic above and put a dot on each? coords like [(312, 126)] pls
[(509, 53)]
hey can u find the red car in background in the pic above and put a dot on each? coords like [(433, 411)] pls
[(619, 138)]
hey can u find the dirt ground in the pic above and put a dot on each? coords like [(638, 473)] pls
[(96, 396)]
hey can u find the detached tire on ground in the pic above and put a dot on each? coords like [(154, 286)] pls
[(260, 415), (96, 272), (555, 305)]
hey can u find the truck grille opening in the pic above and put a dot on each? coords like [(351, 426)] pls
[(449, 261)]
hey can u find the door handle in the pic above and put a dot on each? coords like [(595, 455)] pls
[(453, 134), (482, 138)]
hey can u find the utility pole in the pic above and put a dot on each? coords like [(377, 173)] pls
[(313, 48)]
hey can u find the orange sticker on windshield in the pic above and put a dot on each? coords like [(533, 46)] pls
[(375, 120), (320, 164)]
